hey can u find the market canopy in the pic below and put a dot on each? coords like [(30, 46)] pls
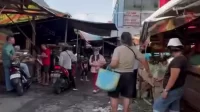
[(170, 16), (95, 28), (25, 10)]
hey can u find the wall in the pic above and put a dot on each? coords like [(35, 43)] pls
[(129, 14), (118, 13)]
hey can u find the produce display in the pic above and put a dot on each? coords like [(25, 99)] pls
[(158, 70)]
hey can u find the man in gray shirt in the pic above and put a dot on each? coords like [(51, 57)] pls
[(66, 59)]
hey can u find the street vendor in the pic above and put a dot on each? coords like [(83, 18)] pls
[(174, 79)]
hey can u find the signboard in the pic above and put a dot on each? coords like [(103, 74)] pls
[(132, 18)]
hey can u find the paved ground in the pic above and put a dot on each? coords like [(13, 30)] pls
[(41, 99)]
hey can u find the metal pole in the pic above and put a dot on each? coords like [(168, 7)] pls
[(141, 12), (117, 17), (66, 31), (103, 48), (33, 34), (77, 43)]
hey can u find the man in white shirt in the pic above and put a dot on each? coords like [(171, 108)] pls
[(136, 65), (65, 60)]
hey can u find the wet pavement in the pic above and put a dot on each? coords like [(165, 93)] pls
[(42, 99)]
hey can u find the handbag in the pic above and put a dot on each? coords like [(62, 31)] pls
[(107, 80)]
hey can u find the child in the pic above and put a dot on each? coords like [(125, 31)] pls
[(84, 67)]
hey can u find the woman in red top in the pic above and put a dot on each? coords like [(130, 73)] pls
[(45, 56)]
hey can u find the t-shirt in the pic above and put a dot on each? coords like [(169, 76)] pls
[(181, 63), (126, 58), (66, 59), (99, 61), (85, 64), (46, 60), (8, 51)]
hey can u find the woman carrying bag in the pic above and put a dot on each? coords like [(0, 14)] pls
[(122, 62)]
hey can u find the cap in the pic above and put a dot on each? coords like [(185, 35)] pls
[(174, 42)]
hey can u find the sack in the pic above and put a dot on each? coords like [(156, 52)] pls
[(107, 80), (158, 70)]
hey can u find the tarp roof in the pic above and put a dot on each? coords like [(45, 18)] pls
[(170, 16), (95, 28), (54, 29), (24, 10)]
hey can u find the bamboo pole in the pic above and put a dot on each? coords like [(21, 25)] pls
[(66, 31), (2, 9), (33, 34), (19, 28)]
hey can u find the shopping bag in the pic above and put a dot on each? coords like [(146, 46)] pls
[(107, 80)]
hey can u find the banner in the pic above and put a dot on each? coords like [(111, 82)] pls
[(132, 18), (134, 9), (163, 2)]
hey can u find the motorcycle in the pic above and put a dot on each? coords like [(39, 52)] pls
[(60, 79), (18, 78)]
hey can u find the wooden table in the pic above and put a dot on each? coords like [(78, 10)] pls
[(191, 96)]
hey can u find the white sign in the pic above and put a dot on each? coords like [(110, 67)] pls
[(132, 18)]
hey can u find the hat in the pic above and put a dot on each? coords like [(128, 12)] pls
[(174, 42)]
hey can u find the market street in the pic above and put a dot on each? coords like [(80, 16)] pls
[(41, 99)]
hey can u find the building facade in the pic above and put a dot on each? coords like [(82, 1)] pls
[(129, 14)]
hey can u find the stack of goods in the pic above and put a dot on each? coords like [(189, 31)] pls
[(158, 72)]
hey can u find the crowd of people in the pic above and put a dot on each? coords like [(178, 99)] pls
[(125, 61)]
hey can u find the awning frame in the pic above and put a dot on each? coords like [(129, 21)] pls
[(20, 7), (173, 6)]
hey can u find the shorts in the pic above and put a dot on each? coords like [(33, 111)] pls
[(125, 86), (171, 103), (45, 68), (135, 73)]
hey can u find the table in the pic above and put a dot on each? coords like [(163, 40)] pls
[(191, 96)]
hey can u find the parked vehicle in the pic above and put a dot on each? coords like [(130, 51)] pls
[(60, 79), (18, 78)]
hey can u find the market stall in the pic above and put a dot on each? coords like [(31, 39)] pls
[(179, 18), (16, 11)]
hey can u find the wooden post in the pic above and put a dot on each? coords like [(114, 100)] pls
[(33, 34), (28, 43), (66, 30)]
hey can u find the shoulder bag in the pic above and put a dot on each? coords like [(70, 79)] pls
[(133, 52)]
